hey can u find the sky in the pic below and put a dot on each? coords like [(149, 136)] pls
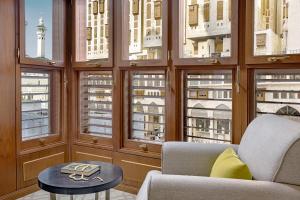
[(34, 9)]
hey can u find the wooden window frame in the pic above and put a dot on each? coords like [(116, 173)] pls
[(122, 37), (57, 114), (83, 138), (265, 59), (179, 61), (59, 21), (235, 130), (141, 146), (99, 63), (252, 89)]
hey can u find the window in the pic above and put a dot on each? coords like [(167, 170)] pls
[(208, 119), (147, 105), (39, 105), (276, 27), (144, 33), (93, 30), (42, 32), (220, 8), (144, 46), (96, 103), (205, 31), (278, 82)]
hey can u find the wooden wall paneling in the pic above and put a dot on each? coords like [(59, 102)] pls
[(81, 153), (7, 100), (31, 164), (32, 168), (135, 168)]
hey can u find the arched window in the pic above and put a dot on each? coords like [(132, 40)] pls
[(288, 110), (222, 117), (200, 120)]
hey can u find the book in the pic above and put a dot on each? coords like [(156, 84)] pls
[(80, 168)]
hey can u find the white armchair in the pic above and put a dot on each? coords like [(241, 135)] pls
[(270, 147)]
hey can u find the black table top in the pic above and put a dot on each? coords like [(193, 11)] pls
[(53, 181)]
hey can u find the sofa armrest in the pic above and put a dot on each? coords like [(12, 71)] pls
[(183, 158), (178, 187)]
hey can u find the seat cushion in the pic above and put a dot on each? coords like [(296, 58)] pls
[(228, 165), (265, 146)]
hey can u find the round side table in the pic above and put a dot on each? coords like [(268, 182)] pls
[(55, 182)]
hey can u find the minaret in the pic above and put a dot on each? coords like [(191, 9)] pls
[(41, 30)]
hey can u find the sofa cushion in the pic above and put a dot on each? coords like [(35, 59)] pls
[(265, 149), (228, 165)]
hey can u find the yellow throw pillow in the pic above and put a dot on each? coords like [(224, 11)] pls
[(228, 165)]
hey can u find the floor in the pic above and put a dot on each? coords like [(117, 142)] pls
[(114, 195)]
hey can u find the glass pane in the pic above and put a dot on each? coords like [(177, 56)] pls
[(276, 28), (204, 28), (96, 103), (35, 92), (278, 93), (148, 106), (92, 31), (43, 30), (145, 30), (208, 111)]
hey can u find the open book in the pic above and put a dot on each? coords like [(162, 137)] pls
[(80, 168)]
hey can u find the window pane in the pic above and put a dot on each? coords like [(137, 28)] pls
[(276, 28), (208, 108), (92, 27), (96, 103), (44, 29), (35, 92), (148, 105), (205, 28), (278, 93), (145, 30)]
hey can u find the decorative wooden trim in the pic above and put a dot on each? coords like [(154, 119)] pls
[(33, 167)]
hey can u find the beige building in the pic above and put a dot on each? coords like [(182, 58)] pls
[(207, 28), (97, 29), (277, 27), (145, 29)]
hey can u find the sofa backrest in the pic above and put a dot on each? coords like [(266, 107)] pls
[(271, 149)]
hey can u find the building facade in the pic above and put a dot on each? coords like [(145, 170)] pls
[(276, 27), (97, 20)]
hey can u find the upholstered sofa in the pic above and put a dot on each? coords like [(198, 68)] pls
[(270, 147)]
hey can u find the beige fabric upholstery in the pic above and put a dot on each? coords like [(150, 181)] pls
[(266, 143), (184, 158), (178, 187), (289, 171)]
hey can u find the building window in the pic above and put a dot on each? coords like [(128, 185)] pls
[(147, 110), (206, 10), (274, 83), (208, 119), (96, 103), (220, 8), (39, 114)]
